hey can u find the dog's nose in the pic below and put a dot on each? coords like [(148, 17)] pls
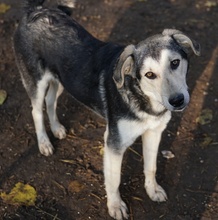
[(177, 100)]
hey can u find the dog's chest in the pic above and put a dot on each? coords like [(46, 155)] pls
[(129, 130)]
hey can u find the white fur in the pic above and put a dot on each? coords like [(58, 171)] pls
[(167, 83), (151, 139), (129, 130), (112, 170), (55, 89)]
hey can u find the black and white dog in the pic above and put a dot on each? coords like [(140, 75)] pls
[(134, 88)]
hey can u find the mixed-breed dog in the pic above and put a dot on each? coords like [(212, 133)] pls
[(135, 87)]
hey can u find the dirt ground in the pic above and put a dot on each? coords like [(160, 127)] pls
[(190, 179)]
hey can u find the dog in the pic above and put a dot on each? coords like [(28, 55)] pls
[(135, 87)]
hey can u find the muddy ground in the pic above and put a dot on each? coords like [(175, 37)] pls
[(190, 179)]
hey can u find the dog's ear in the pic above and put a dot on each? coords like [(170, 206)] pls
[(125, 66), (184, 41)]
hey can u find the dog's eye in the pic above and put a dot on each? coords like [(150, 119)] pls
[(150, 75), (174, 64)]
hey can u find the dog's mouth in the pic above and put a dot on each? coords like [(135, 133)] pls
[(179, 109), (175, 109)]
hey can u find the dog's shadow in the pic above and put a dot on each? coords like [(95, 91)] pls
[(188, 185)]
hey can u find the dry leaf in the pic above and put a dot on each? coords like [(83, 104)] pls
[(205, 117), (4, 8), (21, 194), (100, 147), (167, 154), (75, 186), (210, 4), (3, 96), (207, 140), (101, 151)]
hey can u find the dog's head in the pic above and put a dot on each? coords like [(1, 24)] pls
[(159, 64)]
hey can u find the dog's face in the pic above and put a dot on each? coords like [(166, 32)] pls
[(160, 65), (164, 79)]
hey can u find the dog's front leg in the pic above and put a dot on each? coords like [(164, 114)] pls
[(112, 172), (151, 140)]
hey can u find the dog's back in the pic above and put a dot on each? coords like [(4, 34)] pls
[(52, 41)]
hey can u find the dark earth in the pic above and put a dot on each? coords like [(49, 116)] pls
[(190, 178)]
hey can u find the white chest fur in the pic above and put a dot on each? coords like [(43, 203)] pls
[(129, 130)]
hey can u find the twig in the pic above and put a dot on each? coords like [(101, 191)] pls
[(68, 161), (92, 194), (137, 198), (59, 186), (131, 213), (77, 138), (135, 152), (201, 191), (53, 216)]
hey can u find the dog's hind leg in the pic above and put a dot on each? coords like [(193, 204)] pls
[(54, 91), (151, 140), (112, 172), (45, 146)]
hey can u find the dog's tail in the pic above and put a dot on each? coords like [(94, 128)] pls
[(31, 5)]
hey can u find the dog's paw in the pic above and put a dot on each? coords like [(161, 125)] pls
[(45, 147), (59, 131), (156, 193), (118, 210)]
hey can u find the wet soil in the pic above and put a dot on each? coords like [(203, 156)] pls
[(190, 179)]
